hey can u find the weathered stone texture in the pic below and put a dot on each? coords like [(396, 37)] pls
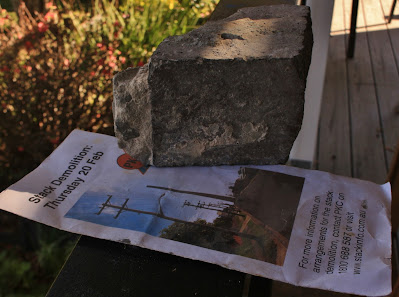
[(132, 112), (226, 8), (230, 92)]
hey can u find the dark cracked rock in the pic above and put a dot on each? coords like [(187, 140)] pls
[(230, 92)]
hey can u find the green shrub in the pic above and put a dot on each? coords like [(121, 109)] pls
[(15, 273), (56, 69), (28, 273), (54, 246)]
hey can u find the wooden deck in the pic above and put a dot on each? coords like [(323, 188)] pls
[(359, 120)]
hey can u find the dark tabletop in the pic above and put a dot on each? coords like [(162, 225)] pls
[(104, 268)]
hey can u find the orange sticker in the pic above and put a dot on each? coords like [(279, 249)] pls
[(127, 162)]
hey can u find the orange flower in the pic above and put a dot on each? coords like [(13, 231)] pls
[(49, 5), (49, 16), (101, 46), (42, 27), (67, 63)]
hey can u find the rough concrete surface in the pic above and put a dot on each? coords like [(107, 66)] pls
[(225, 8), (230, 92), (132, 112)]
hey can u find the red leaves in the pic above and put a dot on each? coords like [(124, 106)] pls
[(28, 45), (50, 5), (42, 27), (237, 239), (3, 17), (4, 69), (55, 140), (100, 62), (50, 16), (106, 72), (101, 46)]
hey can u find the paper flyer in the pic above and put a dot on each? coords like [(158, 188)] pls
[(304, 227)]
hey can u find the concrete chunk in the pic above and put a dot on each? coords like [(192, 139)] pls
[(230, 92), (132, 112)]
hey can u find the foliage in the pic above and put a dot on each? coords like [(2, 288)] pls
[(221, 235), (14, 273), (263, 249), (25, 272), (203, 234), (54, 247), (56, 68)]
